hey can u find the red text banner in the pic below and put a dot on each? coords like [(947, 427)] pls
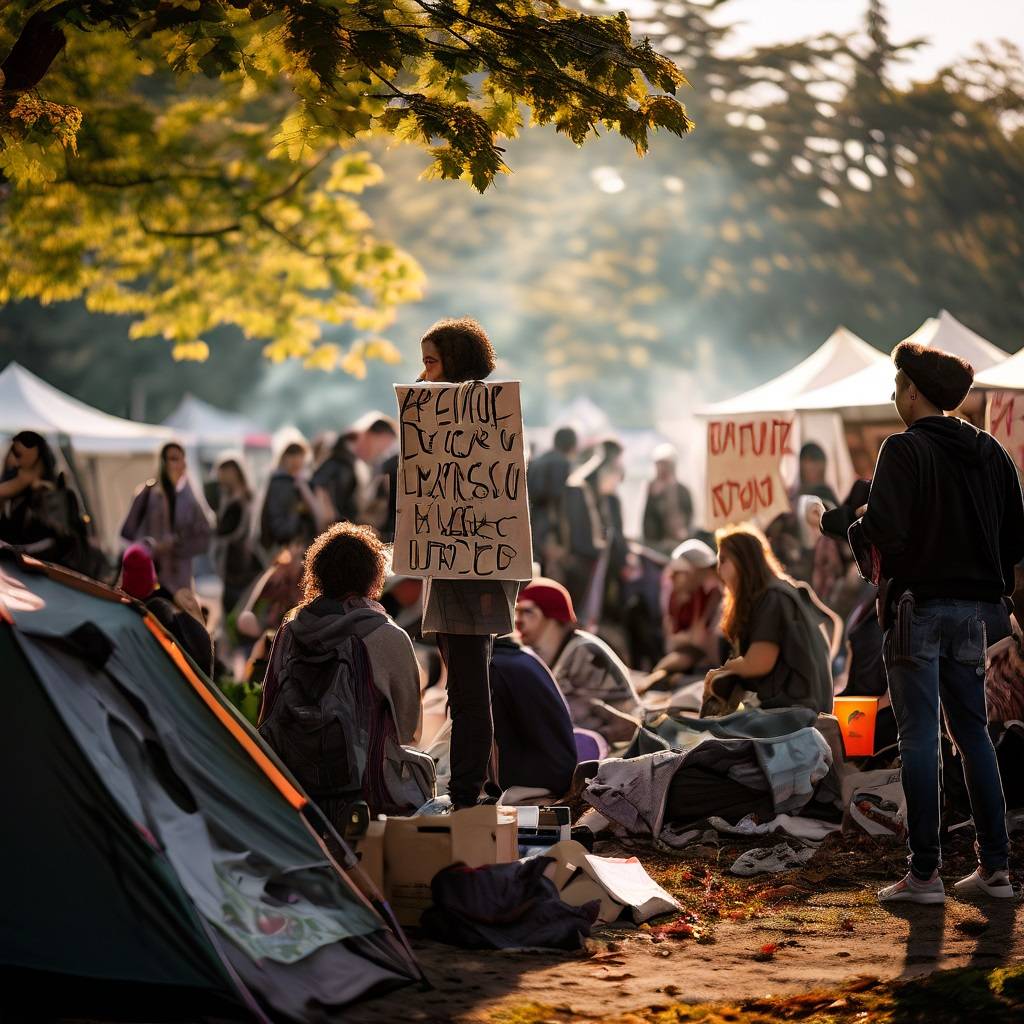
[(1004, 418), (745, 456), (462, 508)]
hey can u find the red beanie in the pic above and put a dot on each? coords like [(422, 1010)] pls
[(551, 598), (138, 574)]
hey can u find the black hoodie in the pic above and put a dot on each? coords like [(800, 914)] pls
[(945, 511)]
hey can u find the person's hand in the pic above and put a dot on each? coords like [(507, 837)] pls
[(813, 514)]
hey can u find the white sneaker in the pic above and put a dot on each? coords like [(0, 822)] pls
[(997, 885), (911, 890)]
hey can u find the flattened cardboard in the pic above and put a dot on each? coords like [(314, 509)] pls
[(618, 882), (462, 508)]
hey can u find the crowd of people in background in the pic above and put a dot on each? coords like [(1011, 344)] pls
[(366, 663), (607, 617)]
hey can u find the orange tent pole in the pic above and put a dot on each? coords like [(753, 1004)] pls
[(287, 790)]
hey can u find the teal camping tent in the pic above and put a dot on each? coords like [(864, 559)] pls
[(160, 864)]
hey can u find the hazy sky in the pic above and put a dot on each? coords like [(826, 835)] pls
[(953, 27)]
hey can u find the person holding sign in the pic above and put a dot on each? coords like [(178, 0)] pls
[(463, 525)]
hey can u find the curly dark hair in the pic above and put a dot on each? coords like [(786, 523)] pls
[(466, 351), (344, 561)]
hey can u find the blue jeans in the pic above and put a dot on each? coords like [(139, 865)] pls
[(947, 657)]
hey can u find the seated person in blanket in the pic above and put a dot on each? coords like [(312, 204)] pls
[(595, 682)]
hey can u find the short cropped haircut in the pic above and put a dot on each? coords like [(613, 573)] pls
[(565, 440), (344, 561), (466, 351)]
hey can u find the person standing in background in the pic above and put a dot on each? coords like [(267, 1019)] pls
[(234, 558), (166, 516), (668, 511), (546, 479), (290, 514)]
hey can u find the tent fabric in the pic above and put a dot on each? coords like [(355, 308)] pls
[(208, 855), (74, 879), (866, 394), (1005, 376), (29, 403), (215, 428), (839, 356)]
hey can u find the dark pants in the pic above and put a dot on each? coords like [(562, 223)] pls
[(947, 660), (468, 660)]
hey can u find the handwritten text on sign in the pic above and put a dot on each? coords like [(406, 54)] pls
[(1005, 418), (462, 507), (744, 459)]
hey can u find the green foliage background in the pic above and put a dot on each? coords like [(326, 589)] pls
[(814, 191)]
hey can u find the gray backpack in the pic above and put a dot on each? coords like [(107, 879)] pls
[(335, 732)]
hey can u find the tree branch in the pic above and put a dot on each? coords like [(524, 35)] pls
[(227, 229), (40, 41)]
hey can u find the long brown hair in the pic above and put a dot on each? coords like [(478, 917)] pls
[(756, 567)]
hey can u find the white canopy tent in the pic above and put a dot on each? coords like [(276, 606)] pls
[(1005, 376), (865, 396), (113, 456), (841, 356), (216, 428)]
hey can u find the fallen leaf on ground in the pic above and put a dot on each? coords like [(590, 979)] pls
[(675, 930)]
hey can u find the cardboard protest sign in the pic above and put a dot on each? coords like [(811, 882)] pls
[(745, 456), (462, 509), (1004, 419)]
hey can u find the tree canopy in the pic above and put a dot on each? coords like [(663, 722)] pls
[(815, 191), (198, 163)]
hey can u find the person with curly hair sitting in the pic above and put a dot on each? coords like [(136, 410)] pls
[(342, 691)]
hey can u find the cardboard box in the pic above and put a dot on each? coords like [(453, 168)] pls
[(415, 849), (369, 849)]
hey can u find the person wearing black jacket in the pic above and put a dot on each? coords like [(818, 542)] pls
[(945, 520), (532, 728)]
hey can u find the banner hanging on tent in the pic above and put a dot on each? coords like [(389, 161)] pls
[(462, 509), (1004, 420), (744, 469)]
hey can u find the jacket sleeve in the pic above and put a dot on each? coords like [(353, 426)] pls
[(888, 522), (280, 511), (1011, 529), (271, 681), (580, 528), (192, 536), (652, 519), (133, 521), (401, 679)]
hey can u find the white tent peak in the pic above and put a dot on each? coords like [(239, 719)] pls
[(212, 425), (945, 332), (1007, 375), (866, 394), (842, 354), (28, 403)]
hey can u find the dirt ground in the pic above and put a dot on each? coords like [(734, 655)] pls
[(817, 929)]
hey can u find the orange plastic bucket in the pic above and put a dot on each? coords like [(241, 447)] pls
[(857, 724)]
